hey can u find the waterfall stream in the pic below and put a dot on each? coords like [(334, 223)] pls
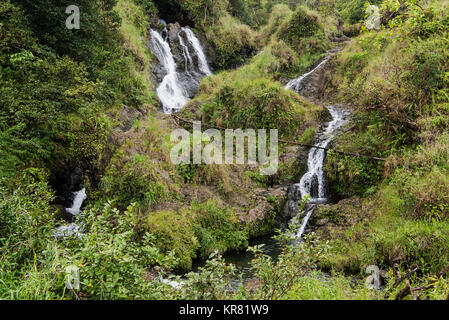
[(313, 182), (72, 229), (298, 83), (171, 94), (178, 84), (78, 200)]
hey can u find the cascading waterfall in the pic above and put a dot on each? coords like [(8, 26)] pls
[(175, 89), (78, 200), (171, 94), (73, 229), (315, 175), (187, 57), (313, 183)]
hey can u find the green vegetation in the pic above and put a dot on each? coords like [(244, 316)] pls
[(207, 227), (397, 84), (86, 98)]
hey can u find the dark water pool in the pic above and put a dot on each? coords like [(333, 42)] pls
[(242, 259)]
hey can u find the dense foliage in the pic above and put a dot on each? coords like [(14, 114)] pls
[(85, 98)]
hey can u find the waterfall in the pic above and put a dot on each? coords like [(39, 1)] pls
[(187, 57), (202, 61), (315, 178), (298, 83), (313, 182), (72, 229), (78, 200), (178, 86), (172, 96)]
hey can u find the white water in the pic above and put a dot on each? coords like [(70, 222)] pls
[(202, 61), (298, 83), (68, 230), (174, 284), (304, 224), (171, 91), (187, 57), (313, 183), (72, 229), (78, 200), (171, 94)]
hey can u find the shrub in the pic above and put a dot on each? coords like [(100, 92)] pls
[(174, 232), (218, 229), (258, 104), (303, 32), (232, 41)]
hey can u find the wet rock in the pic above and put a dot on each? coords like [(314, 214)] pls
[(76, 179), (173, 30), (314, 187), (291, 209)]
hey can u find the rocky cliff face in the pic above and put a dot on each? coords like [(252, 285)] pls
[(190, 67)]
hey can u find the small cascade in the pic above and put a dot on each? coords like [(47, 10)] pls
[(78, 200), (188, 61), (68, 230), (313, 183), (184, 64), (174, 284), (298, 84), (203, 66), (72, 229), (305, 222)]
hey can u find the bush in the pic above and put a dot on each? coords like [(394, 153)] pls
[(258, 104), (174, 233), (137, 181), (201, 229), (232, 41), (218, 229), (303, 32)]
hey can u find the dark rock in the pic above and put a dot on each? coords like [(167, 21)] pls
[(76, 180), (171, 11)]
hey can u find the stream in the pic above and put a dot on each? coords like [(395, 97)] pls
[(73, 228), (312, 184)]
